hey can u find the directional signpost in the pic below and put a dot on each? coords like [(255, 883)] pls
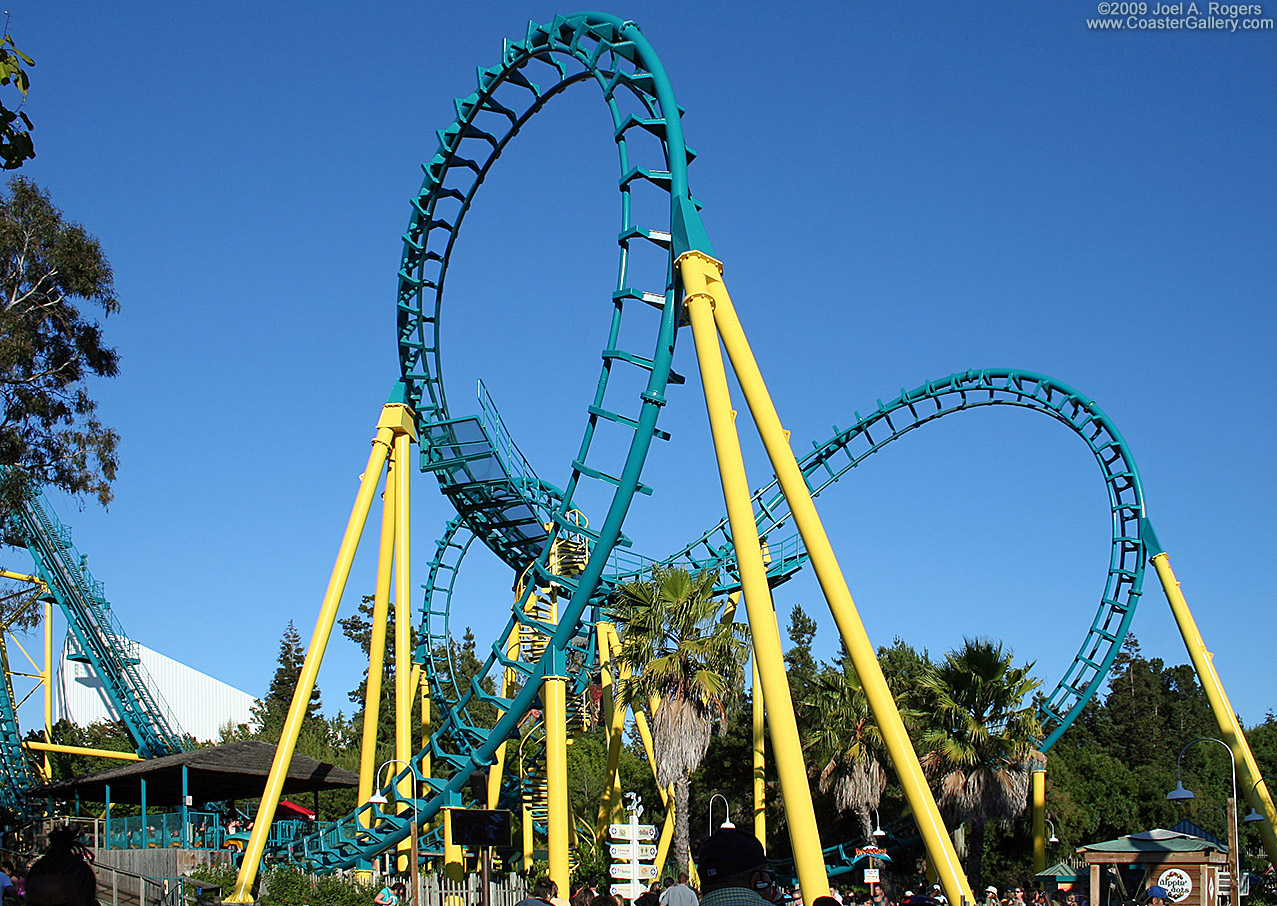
[(632, 858)]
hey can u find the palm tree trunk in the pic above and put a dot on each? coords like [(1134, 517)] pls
[(975, 853), (681, 836)]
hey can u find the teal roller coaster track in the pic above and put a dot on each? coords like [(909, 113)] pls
[(98, 639), (503, 503)]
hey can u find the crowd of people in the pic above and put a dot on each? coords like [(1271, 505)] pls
[(734, 871)]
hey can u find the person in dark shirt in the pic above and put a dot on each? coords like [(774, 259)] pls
[(543, 893), (651, 897)]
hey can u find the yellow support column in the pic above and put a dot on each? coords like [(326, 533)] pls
[(528, 831), (377, 648), (760, 759), (808, 859), (666, 840), (426, 761), (554, 694), (453, 869), (703, 275), (614, 720), (496, 773), (81, 750), (47, 679), (401, 473), (1038, 795), (395, 419), (1230, 731)]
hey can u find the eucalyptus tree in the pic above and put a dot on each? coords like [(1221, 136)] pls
[(52, 272), (687, 656)]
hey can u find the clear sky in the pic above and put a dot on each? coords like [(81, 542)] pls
[(898, 192)]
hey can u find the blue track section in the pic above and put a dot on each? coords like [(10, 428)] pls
[(98, 637), (515, 514), (502, 503)]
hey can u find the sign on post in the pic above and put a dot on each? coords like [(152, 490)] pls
[(632, 831), (871, 875), (631, 890), (633, 871), (633, 859), (646, 851)]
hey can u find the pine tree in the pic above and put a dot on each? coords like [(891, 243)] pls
[(800, 665), (271, 712)]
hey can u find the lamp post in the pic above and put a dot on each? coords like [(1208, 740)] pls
[(878, 831), (1255, 815), (727, 819), (377, 799), (1053, 838), (1180, 793)]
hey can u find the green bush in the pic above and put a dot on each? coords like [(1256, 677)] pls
[(284, 885)]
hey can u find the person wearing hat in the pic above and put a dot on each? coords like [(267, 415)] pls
[(991, 896), (734, 870), (1157, 895), (937, 894)]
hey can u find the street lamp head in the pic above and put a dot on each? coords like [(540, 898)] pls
[(377, 799), (878, 831), (1180, 793), (726, 824), (1254, 816)]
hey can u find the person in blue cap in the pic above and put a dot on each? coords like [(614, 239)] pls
[(1156, 895)]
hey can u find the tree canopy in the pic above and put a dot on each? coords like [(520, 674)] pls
[(684, 653), (15, 128), (51, 271)]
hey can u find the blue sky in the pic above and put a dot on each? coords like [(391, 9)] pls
[(898, 192)]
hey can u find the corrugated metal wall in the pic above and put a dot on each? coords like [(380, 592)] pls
[(201, 703)]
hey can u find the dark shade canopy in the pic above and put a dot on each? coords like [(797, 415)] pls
[(237, 770)]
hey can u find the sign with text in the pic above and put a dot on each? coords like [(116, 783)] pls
[(871, 875), (627, 871), (1177, 882), (623, 831), (646, 851), (631, 890)]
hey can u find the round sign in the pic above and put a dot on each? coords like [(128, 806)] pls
[(1177, 882)]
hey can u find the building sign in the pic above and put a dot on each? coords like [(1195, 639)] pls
[(1177, 882)]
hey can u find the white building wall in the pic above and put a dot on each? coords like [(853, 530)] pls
[(200, 703)]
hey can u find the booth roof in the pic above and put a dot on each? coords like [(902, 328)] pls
[(237, 770), (1061, 871), (1157, 840)]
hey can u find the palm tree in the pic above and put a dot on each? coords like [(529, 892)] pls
[(844, 742), (684, 652), (982, 748)]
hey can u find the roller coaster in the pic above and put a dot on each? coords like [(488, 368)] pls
[(63, 578), (567, 564), (564, 542)]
